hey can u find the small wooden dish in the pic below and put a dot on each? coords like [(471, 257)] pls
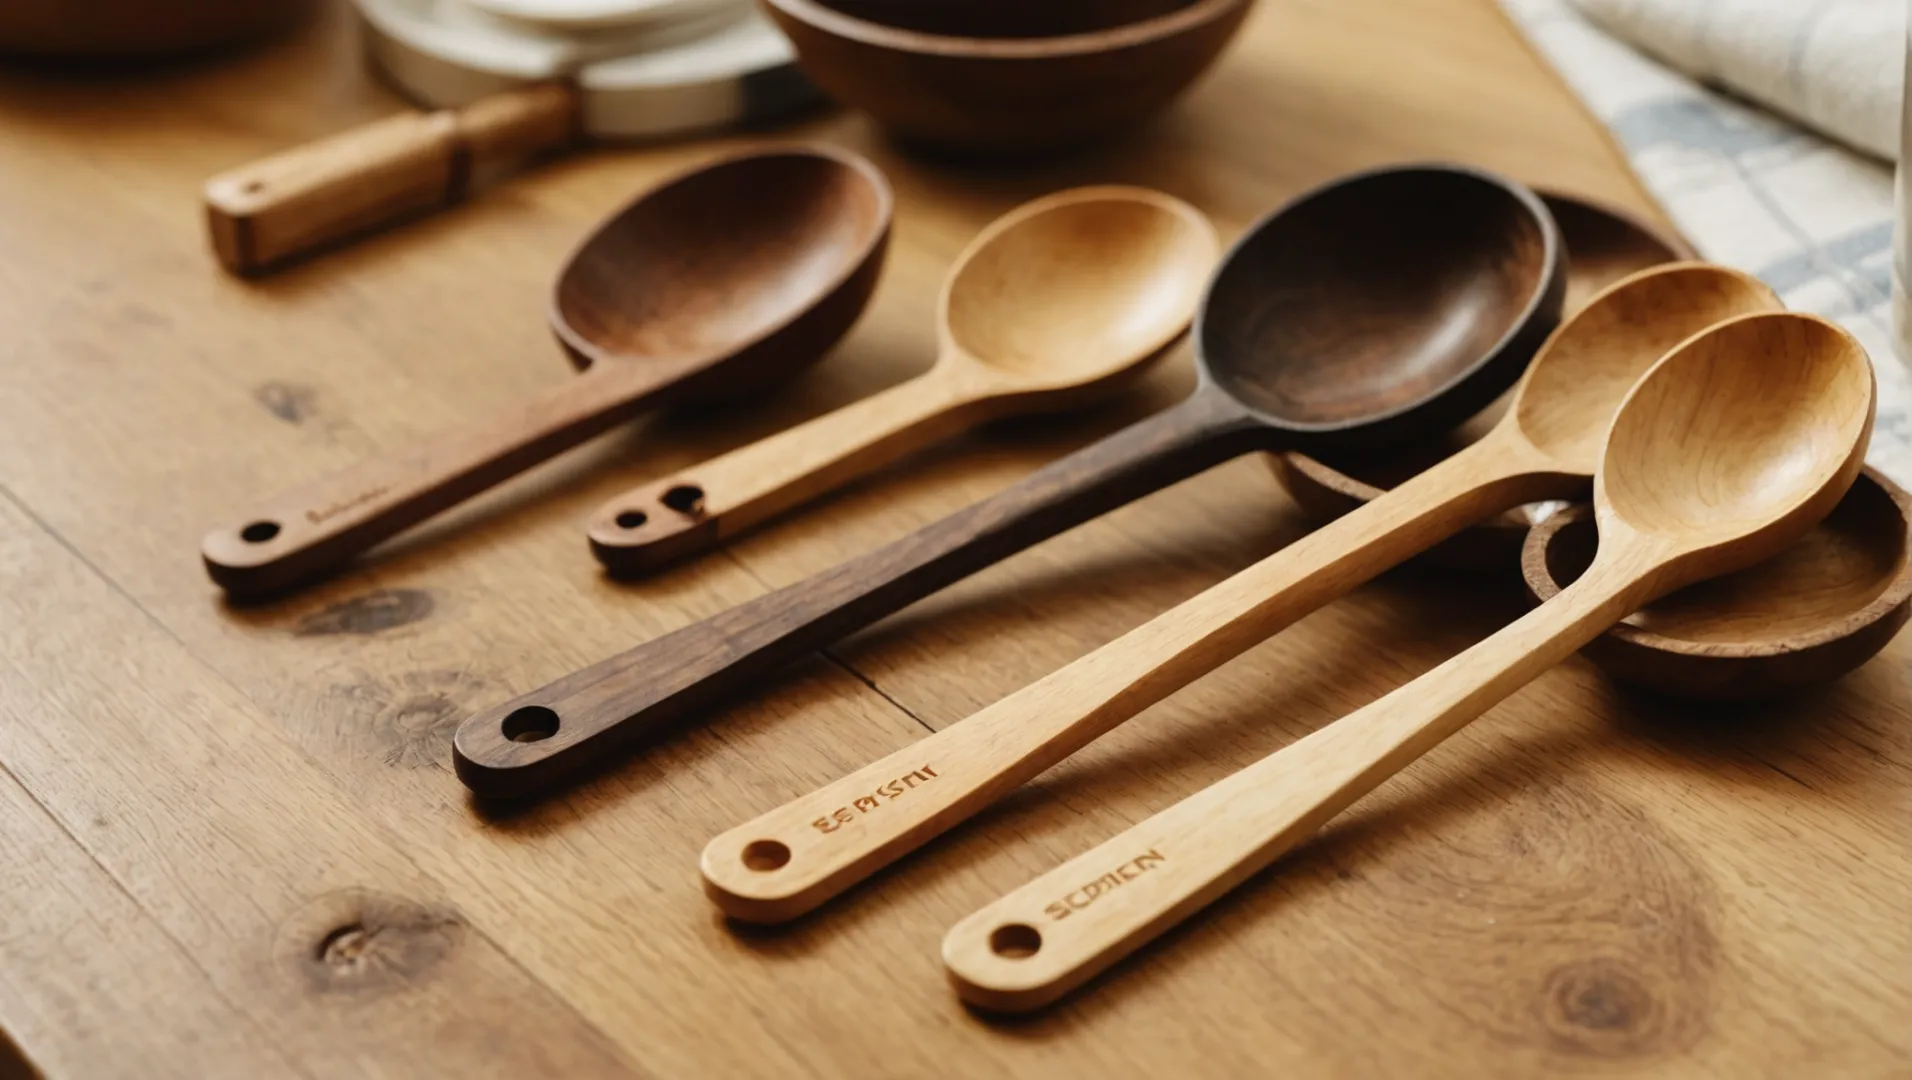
[(1815, 612), (1005, 76), (1604, 244)]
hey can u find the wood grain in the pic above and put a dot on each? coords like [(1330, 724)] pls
[(1633, 872)]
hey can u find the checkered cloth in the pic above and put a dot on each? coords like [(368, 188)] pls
[(1810, 216)]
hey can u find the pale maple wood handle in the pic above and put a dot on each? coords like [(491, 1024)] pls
[(664, 520), (1046, 938), (373, 175), (792, 859), (305, 532)]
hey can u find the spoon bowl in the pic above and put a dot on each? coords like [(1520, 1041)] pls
[(1052, 304), (722, 266), (714, 283), (1605, 243), (1736, 445), (1078, 289), (1808, 615), (1355, 310)]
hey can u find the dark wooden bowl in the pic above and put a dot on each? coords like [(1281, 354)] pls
[(1820, 609), (126, 29), (1005, 77), (1604, 244)]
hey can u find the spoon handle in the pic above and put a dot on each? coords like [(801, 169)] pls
[(1044, 939), (302, 533), (586, 717), (841, 833), (664, 520), (370, 176)]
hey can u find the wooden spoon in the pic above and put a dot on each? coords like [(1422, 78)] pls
[(717, 281), (1383, 306), (1604, 244), (1729, 450), (1052, 303), (790, 860)]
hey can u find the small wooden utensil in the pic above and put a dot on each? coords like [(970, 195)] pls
[(1026, 325), (1604, 244), (1730, 449), (716, 282), (788, 861), (502, 93), (1808, 615), (1380, 307)]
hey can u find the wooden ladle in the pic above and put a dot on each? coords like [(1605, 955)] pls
[(715, 282), (1052, 303), (1383, 306), (795, 857), (1729, 450)]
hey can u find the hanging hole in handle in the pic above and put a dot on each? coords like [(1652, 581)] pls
[(253, 187), (533, 723), (1015, 941), (686, 499), (632, 519), (259, 532), (764, 856)]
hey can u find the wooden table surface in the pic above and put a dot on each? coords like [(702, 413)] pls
[(233, 844)]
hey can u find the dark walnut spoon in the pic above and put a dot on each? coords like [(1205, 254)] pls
[(1379, 308), (1604, 244), (716, 282)]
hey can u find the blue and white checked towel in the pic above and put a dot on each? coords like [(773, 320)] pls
[(1810, 215)]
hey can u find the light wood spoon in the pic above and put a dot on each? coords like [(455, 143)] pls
[(1732, 448), (1053, 302), (714, 283), (793, 858)]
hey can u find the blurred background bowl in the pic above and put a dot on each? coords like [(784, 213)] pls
[(1006, 77), (128, 29)]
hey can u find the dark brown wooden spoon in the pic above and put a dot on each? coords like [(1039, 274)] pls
[(1381, 307), (714, 283), (1604, 244)]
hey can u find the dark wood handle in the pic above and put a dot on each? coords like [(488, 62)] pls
[(304, 533), (283, 206), (591, 715)]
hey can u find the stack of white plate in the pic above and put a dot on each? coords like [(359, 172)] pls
[(646, 68)]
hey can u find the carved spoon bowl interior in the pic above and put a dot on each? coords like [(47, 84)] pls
[(1604, 244)]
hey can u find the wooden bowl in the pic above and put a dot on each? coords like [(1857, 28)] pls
[(1604, 244), (1000, 77), (124, 29), (1815, 612)]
